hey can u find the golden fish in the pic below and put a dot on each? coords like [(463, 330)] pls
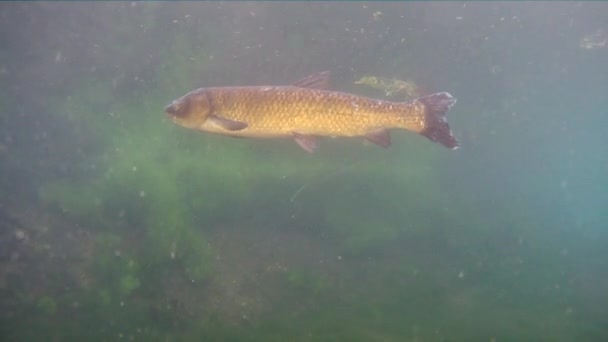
[(306, 111)]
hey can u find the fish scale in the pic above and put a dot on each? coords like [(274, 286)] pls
[(282, 110)]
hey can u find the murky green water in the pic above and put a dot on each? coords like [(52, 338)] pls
[(116, 224)]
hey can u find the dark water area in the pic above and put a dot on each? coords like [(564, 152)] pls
[(117, 224)]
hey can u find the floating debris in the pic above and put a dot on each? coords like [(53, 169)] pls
[(392, 87), (595, 40)]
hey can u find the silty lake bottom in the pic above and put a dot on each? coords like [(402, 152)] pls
[(117, 224)]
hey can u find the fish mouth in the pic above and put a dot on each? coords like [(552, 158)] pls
[(172, 109), (178, 108)]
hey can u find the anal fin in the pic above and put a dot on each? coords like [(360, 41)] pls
[(380, 137), (309, 143)]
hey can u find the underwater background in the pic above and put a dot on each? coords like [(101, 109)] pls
[(116, 224)]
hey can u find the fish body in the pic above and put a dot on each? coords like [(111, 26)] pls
[(305, 111)]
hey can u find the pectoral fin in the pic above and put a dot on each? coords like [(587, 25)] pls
[(227, 124), (308, 142), (380, 138), (319, 80)]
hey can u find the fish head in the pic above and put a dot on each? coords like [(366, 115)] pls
[(190, 110)]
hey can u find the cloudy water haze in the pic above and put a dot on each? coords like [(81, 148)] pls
[(118, 224)]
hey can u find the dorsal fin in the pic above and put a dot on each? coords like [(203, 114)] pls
[(319, 80)]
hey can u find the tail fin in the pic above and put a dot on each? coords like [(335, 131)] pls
[(436, 125)]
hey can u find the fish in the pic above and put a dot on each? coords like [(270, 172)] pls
[(307, 110)]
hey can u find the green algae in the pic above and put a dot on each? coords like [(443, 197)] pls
[(307, 282), (47, 305), (153, 191), (128, 283)]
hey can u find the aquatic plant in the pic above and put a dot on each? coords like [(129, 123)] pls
[(47, 305), (152, 191), (128, 283), (306, 281)]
